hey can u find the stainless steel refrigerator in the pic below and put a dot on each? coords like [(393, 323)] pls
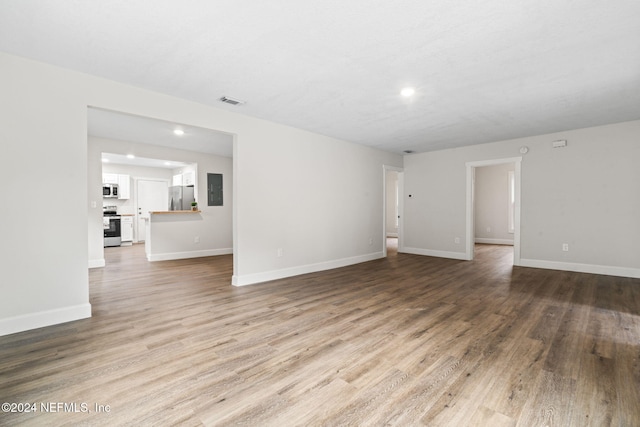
[(180, 198)]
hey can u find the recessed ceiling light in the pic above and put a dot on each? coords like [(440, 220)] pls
[(105, 160), (407, 92), (178, 132), (130, 156), (167, 163)]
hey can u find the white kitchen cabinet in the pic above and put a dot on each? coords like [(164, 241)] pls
[(189, 178), (124, 187), (126, 229), (123, 182), (109, 178)]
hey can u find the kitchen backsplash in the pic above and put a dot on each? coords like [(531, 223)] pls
[(125, 207)]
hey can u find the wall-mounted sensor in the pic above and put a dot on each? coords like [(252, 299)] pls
[(524, 149), (559, 143)]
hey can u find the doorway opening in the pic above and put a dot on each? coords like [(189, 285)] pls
[(510, 209), (392, 209), (117, 139)]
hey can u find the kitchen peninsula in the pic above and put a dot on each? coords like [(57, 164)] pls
[(177, 235)]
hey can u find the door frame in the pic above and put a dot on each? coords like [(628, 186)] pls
[(386, 169), (470, 209)]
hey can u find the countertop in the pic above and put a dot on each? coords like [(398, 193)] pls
[(173, 212)]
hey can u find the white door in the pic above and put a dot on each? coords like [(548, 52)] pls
[(152, 196)]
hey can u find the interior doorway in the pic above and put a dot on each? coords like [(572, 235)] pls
[(494, 214), (471, 205), (136, 137), (392, 209)]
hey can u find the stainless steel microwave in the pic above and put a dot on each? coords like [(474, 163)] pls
[(110, 190)]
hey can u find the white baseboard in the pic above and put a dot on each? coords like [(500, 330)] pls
[(190, 254), (25, 322), (434, 253), (582, 268), (488, 241), (251, 279), (96, 263)]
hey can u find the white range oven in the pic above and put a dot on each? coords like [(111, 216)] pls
[(111, 225)]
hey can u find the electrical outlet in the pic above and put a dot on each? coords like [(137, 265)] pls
[(488, 229), (196, 239), (279, 252), (370, 241), (565, 247), (456, 240)]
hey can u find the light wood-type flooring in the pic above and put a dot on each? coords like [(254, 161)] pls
[(403, 341)]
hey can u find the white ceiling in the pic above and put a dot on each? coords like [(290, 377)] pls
[(483, 70), (127, 127), (121, 159)]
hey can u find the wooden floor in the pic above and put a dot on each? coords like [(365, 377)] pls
[(408, 340)]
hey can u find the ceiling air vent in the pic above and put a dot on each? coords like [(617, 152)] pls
[(232, 101)]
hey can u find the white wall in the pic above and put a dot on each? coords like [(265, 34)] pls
[(586, 195), (492, 204), (317, 198), (44, 251)]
